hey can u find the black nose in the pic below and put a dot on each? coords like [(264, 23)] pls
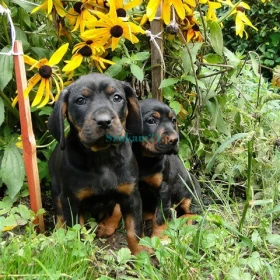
[(103, 120)]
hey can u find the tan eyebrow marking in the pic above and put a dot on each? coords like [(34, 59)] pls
[(156, 114), (110, 90)]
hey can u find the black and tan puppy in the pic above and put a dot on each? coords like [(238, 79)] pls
[(87, 169), (160, 169)]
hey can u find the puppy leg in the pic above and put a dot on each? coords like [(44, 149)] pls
[(131, 207), (110, 224), (162, 211)]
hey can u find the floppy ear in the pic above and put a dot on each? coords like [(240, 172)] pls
[(134, 119), (56, 119)]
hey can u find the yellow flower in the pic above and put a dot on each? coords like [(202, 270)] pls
[(111, 28), (79, 15), (212, 7), (89, 50), (46, 74), (153, 5), (241, 19), (190, 29), (48, 5), (122, 8)]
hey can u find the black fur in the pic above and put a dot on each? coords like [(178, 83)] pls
[(85, 167)]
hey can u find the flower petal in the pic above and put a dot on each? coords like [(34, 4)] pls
[(74, 63), (31, 83), (166, 12), (57, 55), (40, 92), (47, 95), (152, 8), (179, 7)]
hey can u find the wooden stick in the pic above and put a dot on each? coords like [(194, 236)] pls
[(157, 70), (27, 135)]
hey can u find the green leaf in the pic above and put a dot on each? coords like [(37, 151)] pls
[(20, 35), (217, 121), (12, 170), (223, 147), (27, 6), (274, 210), (2, 111), (216, 37), (168, 93), (194, 48), (255, 63), (6, 69), (123, 255), (141, 56), (213, 58), (273, 239), (114, 70), (168, 82), (137, 72), (176, 106), (192, 80)]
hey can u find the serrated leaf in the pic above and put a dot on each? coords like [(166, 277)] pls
[(176, 106), (12, 170), (6, 69), (168, 82), (216, 37), (223, 146), (2, 111), (141, 56), (123, 255), (137, 72)]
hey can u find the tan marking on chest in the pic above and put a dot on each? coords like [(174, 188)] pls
[(84, 193), (126, 188), (154, 180)]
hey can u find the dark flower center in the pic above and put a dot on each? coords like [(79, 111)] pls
[(89, 42), (116, 31), (195, 27), (78, 7), (240, 9), (45, 71), (121, 12), (85, 51)]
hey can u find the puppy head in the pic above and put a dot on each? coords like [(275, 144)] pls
[(97, 107), (159, 127)]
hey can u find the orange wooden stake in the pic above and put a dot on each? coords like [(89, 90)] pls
[(27, 135)]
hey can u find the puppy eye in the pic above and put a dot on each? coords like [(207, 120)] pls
[(80, 101), (174, 120), (151, 121), (117, 98)]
